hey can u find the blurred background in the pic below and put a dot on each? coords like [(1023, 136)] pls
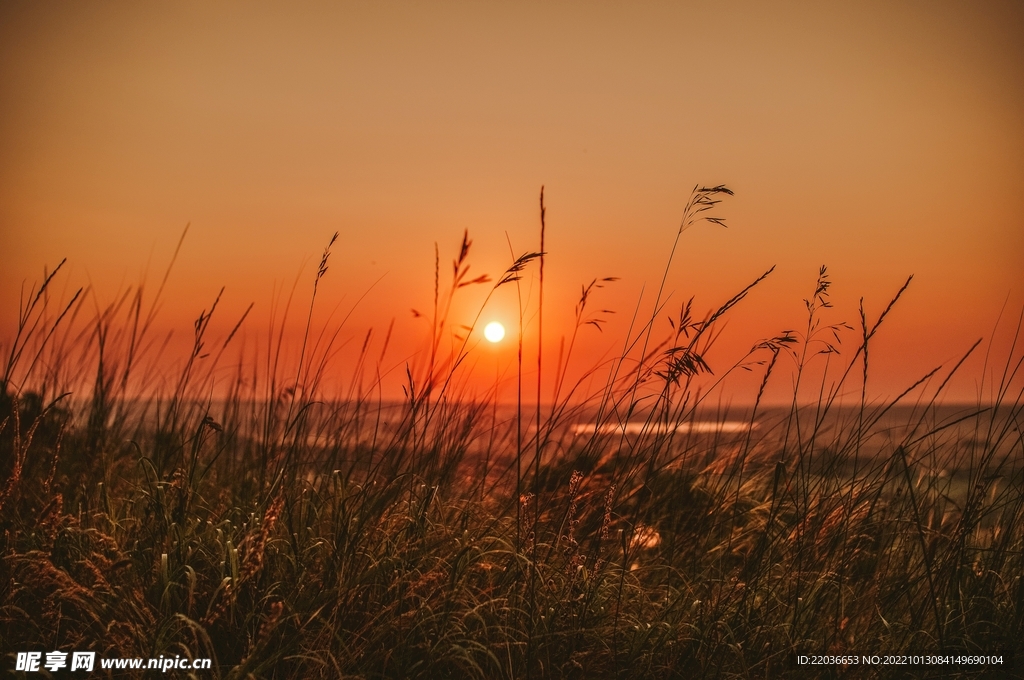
[(879, 140)]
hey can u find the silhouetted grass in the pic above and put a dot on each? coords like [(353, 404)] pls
[(285, 532)]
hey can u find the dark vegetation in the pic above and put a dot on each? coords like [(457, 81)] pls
[(286, 533)]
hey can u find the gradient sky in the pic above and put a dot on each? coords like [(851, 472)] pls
[(880, 139)]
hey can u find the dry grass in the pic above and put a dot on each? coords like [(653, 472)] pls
[(288, 534)]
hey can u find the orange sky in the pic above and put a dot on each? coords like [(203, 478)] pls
[(881, 141)]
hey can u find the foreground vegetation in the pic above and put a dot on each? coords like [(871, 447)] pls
[(286, 534)]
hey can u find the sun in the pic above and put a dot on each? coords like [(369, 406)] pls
[(494, 331)]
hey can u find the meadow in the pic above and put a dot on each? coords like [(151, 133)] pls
[(641, 531)]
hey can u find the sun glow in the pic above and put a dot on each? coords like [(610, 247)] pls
[(494, 331)]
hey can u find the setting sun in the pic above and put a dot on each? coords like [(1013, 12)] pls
[(494, 331)]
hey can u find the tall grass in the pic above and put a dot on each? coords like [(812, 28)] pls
[(285, 532)]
